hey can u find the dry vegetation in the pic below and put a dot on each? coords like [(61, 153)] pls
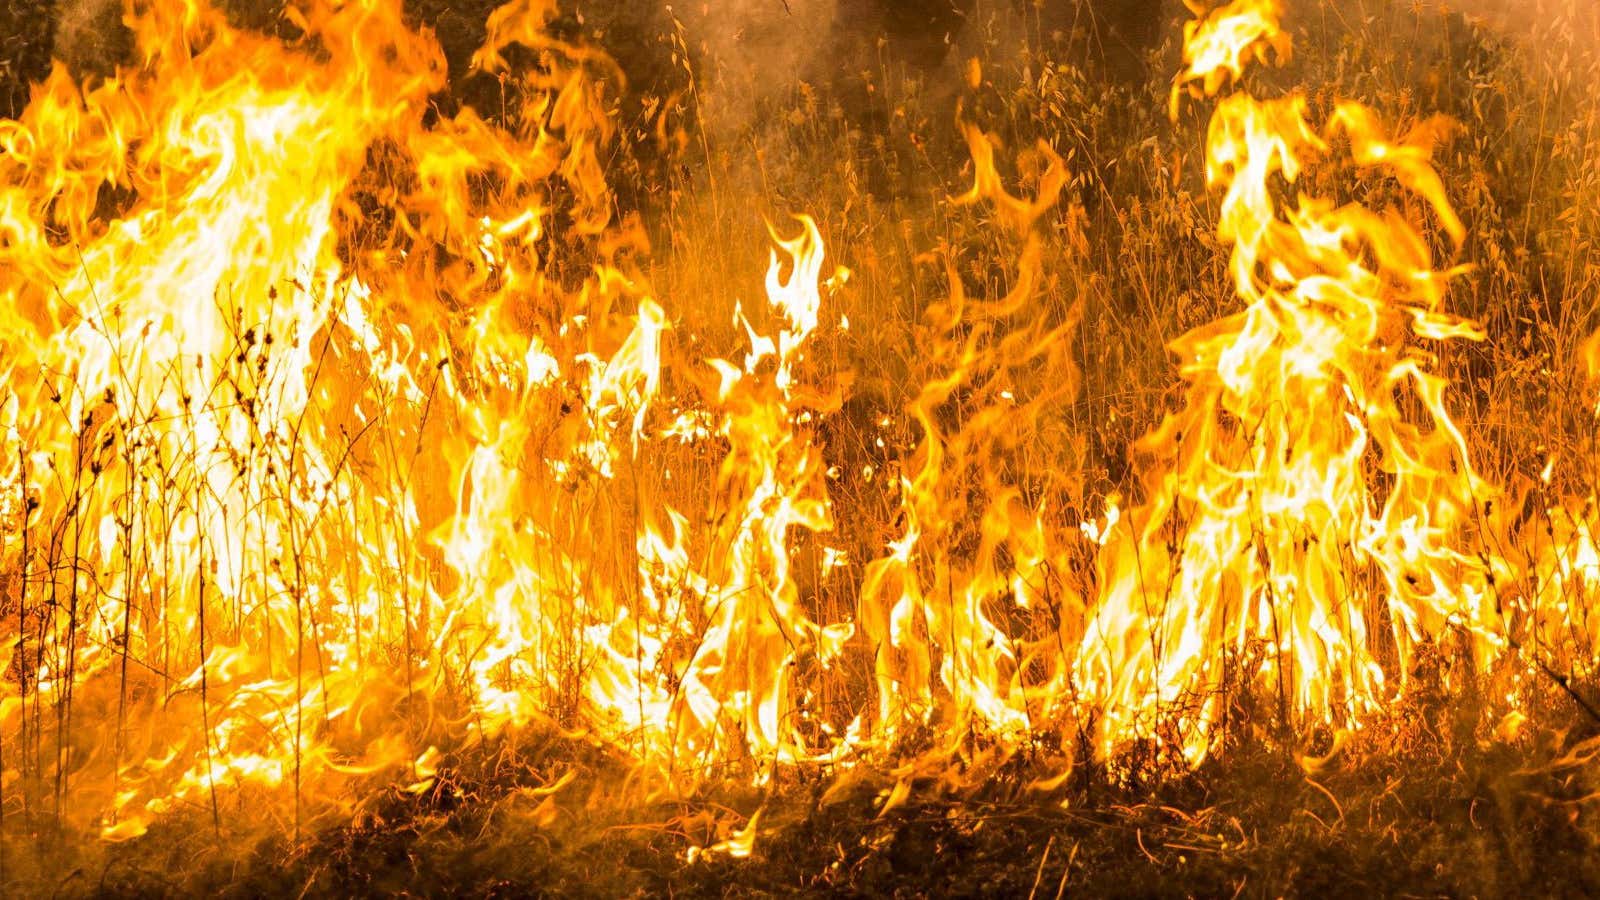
[(1435, 799)]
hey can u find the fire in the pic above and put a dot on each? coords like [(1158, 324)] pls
[(341, 434), (275, 412), (1314, 515)]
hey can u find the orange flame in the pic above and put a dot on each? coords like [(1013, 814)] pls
[(339, 431)]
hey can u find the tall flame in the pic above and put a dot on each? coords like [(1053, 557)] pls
[(1313, 515)]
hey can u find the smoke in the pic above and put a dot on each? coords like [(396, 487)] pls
[(89, 36), (1526, 21), (750, 52)]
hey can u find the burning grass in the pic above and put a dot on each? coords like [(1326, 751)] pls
[(1423, 811), (410, 485)]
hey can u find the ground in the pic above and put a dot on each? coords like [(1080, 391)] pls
[(1421, 818)]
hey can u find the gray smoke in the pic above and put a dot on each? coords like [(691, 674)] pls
[(1525, 20), (752, 51), (89, 36)]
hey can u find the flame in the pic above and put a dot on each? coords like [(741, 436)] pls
[(309, 434), (341, 434), (1313, 516), (952, 632)]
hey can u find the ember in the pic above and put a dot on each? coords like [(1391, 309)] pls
[(400, 443)]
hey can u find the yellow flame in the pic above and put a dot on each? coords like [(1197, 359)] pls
[(340, 434)]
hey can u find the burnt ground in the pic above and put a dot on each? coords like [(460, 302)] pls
[(1432, 801), (1420, 811)]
